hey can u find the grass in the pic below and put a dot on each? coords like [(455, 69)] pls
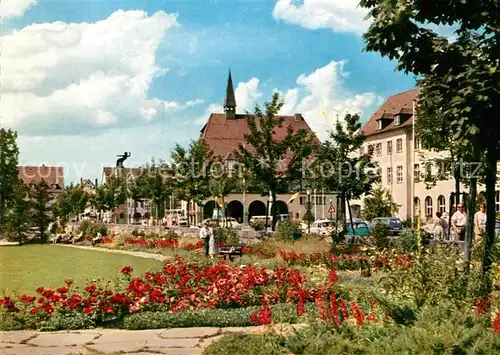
[(25, 268)]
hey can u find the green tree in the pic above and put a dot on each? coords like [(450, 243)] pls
[(223, 180), (156, 185), (115, 193), (71, 202), (379, 204), (9, 175), (274, 163), (136, 191), (41, 209), (190, 172), (340, 167), (468, 66), (18, 218), (100, 201)]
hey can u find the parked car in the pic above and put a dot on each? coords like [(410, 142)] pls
[(361, 228), (231, 222), (321, 227), (497, 226), (395, 224)]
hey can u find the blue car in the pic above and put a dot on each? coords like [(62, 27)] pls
[(395, 225)]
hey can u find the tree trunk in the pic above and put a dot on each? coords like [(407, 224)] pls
[(350, 218), (2, 209), (489, 238), (274, 211), (456, 176), (469, 232), (187, 207)]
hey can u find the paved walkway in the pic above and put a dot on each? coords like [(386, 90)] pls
[(175, 341), (139, 254)]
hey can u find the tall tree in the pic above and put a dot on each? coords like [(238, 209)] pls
[(274, 162), (18, 218), (9, 175), (379, 204), (115, 193), (469, 66), (136, 192), (41, 209), (340, 167), (156, 185), (190, 172), (223, 179)]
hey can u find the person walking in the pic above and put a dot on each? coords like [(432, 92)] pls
[(480, 222), (459, 223), (212, 244), (205, 236)]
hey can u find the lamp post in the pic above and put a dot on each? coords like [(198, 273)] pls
[(308, 214), (331, 213)]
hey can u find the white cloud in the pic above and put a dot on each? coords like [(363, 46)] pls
[(320, 97), (78, 78), (247, 94), (340, 16), (320, 91), (15, 8)]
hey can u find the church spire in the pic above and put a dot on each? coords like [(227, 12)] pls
[(230, 101)]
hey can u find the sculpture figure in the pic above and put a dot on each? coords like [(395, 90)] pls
[(121, 159)]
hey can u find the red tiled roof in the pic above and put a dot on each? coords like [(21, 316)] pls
[(401, 103), (223, 136), (34, 174)]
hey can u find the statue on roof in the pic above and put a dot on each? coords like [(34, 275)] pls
[(121, 159)]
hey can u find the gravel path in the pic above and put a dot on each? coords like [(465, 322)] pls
[(139, 254)]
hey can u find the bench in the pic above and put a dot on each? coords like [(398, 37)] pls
[(230, 251)]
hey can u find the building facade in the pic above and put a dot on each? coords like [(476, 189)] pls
[(223, 133), (402, 161), (52, 175)]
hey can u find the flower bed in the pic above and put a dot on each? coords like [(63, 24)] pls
[(345, 261), (179, 286)]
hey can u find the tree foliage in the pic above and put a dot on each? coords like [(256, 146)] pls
[(18, 218), (41, 215), (189, 170), (9, 175), (380, 204), (273, 161)]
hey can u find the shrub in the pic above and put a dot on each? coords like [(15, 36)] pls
[(138, 233), (267, 344), (288, 230), (226, 235), (380, 233), (407, 241), (90, 228), (258, 225)]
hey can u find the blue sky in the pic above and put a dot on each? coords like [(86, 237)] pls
[(84, 81)]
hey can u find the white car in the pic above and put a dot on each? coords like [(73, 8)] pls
[(223, 222), (321, 227)]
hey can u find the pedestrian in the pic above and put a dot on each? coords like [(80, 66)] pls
[(212, 244), (459, 223), (205, 236), (480, 222)]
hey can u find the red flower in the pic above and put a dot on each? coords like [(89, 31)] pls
[(372, 303), (68, 283), (127, 270), (332, 276), (496, 323)]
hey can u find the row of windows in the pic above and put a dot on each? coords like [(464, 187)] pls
[(315, 200), (389, 173), (377, 148), (441, 204)]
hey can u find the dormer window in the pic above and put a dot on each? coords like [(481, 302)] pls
[(230, 164), (379, 125), (397, 120)]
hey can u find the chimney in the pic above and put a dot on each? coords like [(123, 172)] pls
[(298, 117)]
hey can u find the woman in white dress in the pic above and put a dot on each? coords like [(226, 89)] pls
[(212, 245)]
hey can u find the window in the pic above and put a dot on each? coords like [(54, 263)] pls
[(389, 176), (416, 173), (230, 164), (378, 149), (428, 170), (399, 145), (416, 205), (417, 144), (379, 125), (441, 204), (370, 149), (379, 172), (399, 174), (497, 201), (397, 121), (428, 206), (389, 147)]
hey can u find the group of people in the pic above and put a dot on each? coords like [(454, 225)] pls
[(207, 235), (455, 231)]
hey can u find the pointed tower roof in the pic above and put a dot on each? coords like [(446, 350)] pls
[(230, 100)]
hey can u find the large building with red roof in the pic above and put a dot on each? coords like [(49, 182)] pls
[(403, 161), (223, 133), (52, 175)]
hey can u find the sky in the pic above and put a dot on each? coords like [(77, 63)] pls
[(84, 81)]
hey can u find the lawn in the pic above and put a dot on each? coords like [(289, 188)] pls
[(23, 269)]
